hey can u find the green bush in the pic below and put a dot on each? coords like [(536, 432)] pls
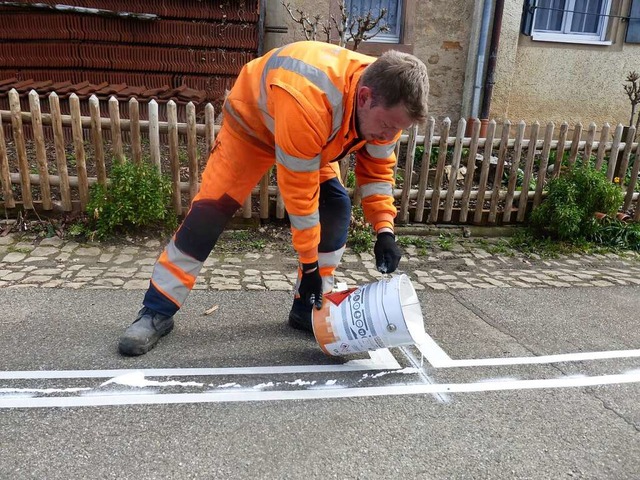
[(573, 198), (137, 196), (360, 237)]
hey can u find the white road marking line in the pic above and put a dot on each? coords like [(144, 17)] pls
[(315, 394), (558, 358), (438, 358), (379, 360)]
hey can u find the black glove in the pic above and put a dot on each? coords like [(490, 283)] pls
[(387, 252), (310, 288)]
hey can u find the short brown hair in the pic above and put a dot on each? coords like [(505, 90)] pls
[(399, 78)]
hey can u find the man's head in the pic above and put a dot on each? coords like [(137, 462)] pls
[(392, 96)]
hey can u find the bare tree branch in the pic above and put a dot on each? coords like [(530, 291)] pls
[(350, 29)]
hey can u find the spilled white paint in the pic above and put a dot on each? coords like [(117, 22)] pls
[(403, 371), (91, 399), (229, 385), (137, 379)]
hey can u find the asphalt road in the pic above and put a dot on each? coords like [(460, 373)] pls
[(454, 416)]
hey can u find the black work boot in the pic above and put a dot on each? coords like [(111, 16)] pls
[(143, 334), (300, 316)]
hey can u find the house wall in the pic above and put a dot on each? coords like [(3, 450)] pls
[(440, 38), (558, 82)]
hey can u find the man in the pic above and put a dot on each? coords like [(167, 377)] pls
[(303, 107)]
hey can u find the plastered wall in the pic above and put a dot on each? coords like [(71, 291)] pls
[(558, 82)]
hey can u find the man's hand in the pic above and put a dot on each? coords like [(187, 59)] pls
[(387, 252), (310, 288)]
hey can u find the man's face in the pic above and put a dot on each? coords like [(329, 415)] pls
[(376, 122)]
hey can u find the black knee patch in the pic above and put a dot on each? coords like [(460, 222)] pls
[(203, 225)]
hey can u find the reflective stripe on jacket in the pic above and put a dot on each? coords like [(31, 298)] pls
[(299, 102)]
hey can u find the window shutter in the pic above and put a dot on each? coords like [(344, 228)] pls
[(633, 30), (527, 16)]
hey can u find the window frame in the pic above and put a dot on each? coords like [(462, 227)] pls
[(377, 46), (566, 36)]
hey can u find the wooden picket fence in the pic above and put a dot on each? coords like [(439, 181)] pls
[(494, 188)]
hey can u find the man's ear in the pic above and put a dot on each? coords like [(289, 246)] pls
[(364, 94)]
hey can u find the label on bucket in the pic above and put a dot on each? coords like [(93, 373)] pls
[(371, 317)]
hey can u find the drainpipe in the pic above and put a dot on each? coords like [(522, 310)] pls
[(481, 55), (493, 57)]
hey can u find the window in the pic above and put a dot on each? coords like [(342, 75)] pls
[(571, 21), (393, 18)]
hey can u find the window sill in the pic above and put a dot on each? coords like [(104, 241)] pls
[(378, 48), (537, 37)]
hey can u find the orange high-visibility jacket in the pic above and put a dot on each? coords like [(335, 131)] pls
[(299, 102)]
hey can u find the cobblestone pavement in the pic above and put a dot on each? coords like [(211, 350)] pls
[(27, 261)]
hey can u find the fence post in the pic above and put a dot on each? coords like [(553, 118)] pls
[(453, 172), (96, 139), (21, 150), (544, 163), (423, 183), (562, 138), (497, 179), (471, 168), (634, 179), (588, 146), (624, 161), (116, 134), (408, 173), (192, 150), (575, 144), (484, 171), (154, 135), (528, 171), (513, 173), (61, 158), (78, 146), (604, 138), (442, 160), (134, 131), (209, 126), (41, 153), (5, 177), (613, 154), (174, 158)]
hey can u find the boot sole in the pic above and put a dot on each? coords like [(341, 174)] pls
[(131, 349)]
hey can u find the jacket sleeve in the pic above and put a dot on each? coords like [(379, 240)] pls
[(374, 172), (301, 131)]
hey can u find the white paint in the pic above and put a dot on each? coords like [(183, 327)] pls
[(137, 379), (438, 358), (379, 360), (260, 386), (299, 382), (43, 390), (315, 394), (229, 385), (330, 382), (404, 371), (434, 354)]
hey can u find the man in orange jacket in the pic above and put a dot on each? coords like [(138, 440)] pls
[(303, 107)]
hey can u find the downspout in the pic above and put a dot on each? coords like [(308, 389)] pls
[(493, 58), (481, 56), (261, 29)]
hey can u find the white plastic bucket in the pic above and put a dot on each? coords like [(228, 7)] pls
[(378, 315)]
